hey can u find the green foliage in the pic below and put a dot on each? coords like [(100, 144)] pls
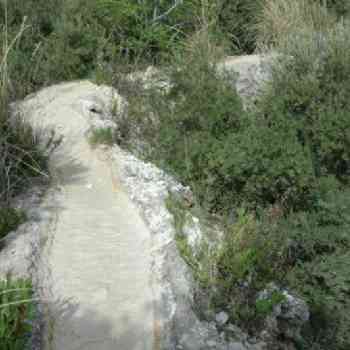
[(321, 267), (176, 207), (202, 259), (313, 89), (135, 30), (230, 156), (340, 7), (104, 136), (238, 257), (16, 314), (288, 162), (195, 118), (64, 40), (267, 164), (265, 306), (237, 20), (25, 64), (21, 157), (306, 251), (9, 219)]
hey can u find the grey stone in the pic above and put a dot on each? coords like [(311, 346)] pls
[(221, 318), (294, 309), (251, 73), (258, 346), (212, 344), (287, 317), (236, 346)]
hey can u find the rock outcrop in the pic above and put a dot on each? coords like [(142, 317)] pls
[(252, 72)]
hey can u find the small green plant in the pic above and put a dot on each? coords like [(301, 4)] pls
[(186, 252), (265, 306), (104, 136), (17, 312), (177, 208)]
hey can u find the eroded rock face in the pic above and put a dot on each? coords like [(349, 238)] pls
[(252, 72)]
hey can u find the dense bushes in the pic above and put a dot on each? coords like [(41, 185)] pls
[(230, 156), (286, 162), (298, 133), (72, 40), (305, 252), (195, 120), (312, 89), (64, 40)]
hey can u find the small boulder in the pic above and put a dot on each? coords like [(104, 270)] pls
[(287, 317), (221, 318)]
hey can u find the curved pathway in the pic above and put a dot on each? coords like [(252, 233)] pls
[(97, 274)]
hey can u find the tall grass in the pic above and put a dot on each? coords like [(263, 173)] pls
[(21, 156), (16, 314), (21, 159), (278, 21)]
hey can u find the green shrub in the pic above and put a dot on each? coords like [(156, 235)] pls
[(198, 260), (340, 7), (227, 155), (195, 117), (265, 306), (306, 252), (312, 89), (238, 256), (237, 19), (321, 266), (16, 314), (265, 164)]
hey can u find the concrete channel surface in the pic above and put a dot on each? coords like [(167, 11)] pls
[(96, 280)]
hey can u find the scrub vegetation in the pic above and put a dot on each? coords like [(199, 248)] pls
[(280, 169)]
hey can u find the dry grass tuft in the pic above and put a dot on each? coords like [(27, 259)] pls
[(280, 19)]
